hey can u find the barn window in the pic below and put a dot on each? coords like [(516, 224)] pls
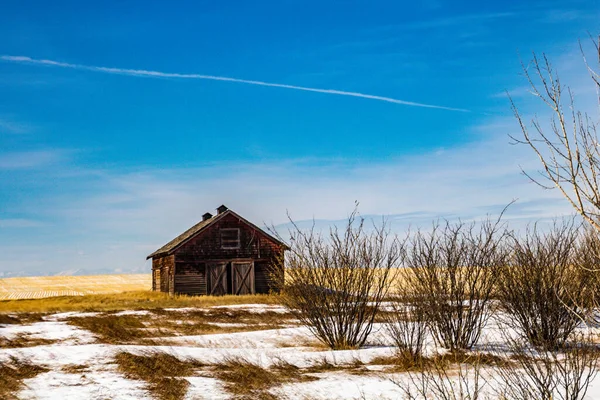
[(230, 238)]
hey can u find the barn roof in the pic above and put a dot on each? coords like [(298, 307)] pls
[(168, 248)]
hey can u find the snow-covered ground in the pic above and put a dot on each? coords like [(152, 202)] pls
[(100, 378)]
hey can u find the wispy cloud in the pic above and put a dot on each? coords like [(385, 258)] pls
[(9, 126), (445, 22), (456, 20), (19, 223), (29, 159), (114, 214), (159, 74)]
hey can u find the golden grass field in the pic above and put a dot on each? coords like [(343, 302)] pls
[(51, 286), (108, 292), (140, 300)]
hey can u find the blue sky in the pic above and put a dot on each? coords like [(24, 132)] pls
[(100, 166)]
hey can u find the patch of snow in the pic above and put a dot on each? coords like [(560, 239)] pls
[(184, 309), (204, 388), (70, 314), (133, 312), (55, 385), (59, 355), (256, 308), (228, 324), (340, 385), (60, 331)]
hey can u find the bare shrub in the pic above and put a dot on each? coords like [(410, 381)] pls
[(543, 290), (548, 374), (453, 277), (439, 381), (406, 325), (587, 258), (335, 283)]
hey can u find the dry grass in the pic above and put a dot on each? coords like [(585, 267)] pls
[(247, 380), (405, 362), (75, 368), (21, 341), (12, 375), (144, 329), (50, 286), (199, 321), (111, 328), (322, 366), (9, 319), (303, 341), (141, 300), (22, 318), (161, 371)]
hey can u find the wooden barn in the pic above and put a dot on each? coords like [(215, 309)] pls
[(222, 254)]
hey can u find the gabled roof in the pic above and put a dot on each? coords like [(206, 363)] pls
[(170, 247)]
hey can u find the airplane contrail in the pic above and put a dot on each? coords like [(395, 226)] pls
[(158, 74)]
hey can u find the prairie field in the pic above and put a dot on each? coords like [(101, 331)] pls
[(114, 343), (38, 287), (229, 347), (50, 286)]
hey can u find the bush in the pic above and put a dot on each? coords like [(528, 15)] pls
[(440, 381), (453, 276), (544, 290), (406, 325), (548, 374), (335, 283)]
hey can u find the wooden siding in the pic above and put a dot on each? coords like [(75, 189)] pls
[(264, 279), (166, 267), (190, 278), (207, 245)]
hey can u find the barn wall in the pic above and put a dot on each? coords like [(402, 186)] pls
[(264, 279), (190, 277), (163, 281), (253, 243)]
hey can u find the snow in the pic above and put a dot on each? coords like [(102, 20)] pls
[(97, 385), (256, 308), (206, 388), (294, 345), (133, 312), (70, 314), (226, 324), (50, 330), (340, 385)]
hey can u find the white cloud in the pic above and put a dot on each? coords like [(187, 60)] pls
[(126, 216), (158, 74)]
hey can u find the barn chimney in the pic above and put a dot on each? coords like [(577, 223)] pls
[(206, 216), (221, 209)]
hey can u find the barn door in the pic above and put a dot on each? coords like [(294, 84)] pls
[(217, 278), (242, 277)]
